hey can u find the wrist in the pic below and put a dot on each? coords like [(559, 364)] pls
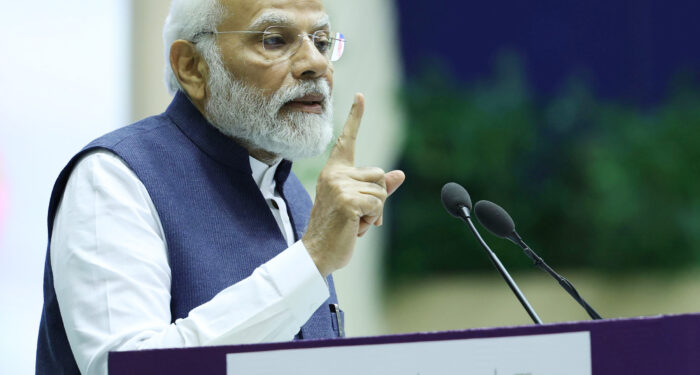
[(317, 256)]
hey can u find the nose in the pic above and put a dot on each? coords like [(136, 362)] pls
[(308, 62)]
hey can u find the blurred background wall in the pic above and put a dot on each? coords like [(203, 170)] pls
[(579, 118), (64, 71)]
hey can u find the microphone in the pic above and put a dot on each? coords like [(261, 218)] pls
[(497, 221), (458, 204)]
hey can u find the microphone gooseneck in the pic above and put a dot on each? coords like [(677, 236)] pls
[(458, 204), (497, 221)]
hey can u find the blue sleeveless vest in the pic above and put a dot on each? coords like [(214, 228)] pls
[(217, 224)]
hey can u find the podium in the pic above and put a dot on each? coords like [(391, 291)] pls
[(668, 345)]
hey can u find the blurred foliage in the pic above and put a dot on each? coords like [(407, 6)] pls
[(589, 183)]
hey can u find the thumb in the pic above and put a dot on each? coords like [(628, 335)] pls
[(394, 179)]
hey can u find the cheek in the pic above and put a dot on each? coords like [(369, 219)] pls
[(255, 71), (269, 77)]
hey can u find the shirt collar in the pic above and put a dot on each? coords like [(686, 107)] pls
[(263, 174)]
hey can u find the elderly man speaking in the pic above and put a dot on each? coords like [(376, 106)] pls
[(189, 228)]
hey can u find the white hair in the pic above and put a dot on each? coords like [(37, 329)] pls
[(186, 19)]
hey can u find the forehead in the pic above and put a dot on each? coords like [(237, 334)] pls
[(244, 13)]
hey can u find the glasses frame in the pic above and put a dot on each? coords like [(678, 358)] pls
[(330, 55)]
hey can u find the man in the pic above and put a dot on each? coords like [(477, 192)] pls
[(188, 228)]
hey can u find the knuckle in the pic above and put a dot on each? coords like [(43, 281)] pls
[(378, 191), (336, 189), (346, 199), (380, 177), (377, 203), (326, 176), (374, 173), (331, 178), (342, 141)]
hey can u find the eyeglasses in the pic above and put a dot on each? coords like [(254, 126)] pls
[(281, 42)]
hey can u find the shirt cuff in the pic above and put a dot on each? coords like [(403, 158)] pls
[(303, 287)]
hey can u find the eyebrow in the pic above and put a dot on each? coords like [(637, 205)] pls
[(270, 18), (273, 18), (322, 22)]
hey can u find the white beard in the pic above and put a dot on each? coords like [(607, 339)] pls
[(246, 114)]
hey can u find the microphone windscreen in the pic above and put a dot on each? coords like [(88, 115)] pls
[(454, 197), (494, 218)]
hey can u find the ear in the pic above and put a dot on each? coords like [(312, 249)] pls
[(190, 69)]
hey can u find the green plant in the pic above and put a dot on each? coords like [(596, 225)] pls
[(589, 183)]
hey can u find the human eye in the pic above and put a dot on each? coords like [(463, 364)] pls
[(322, 41), (273, 40)]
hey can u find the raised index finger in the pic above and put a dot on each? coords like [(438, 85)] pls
[(344, 149)]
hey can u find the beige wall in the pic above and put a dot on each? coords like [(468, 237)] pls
[(484, 300), (368, 66), (148, 93)]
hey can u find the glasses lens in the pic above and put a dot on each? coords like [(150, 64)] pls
[(337, 47), (322, 42), (278, 41), (281, 42)]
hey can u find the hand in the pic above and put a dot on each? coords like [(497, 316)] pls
[(393, 179), (348, 199)]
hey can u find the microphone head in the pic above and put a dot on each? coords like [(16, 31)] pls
[(494, 218), (454, 197)]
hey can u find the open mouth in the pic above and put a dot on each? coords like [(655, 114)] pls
[(308, 103)]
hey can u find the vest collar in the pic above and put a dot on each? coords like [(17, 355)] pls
[(211, 141)]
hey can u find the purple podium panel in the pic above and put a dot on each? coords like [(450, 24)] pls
[(640, 346)]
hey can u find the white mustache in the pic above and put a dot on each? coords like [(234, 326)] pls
[(287, 94)]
